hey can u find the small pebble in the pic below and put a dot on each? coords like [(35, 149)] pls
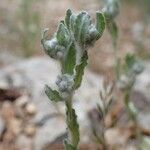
[(30, 130), (30, 109)]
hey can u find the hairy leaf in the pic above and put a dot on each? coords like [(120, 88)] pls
[(53, 95), (100, 23), (130, 60), (73, 126), (113, 30), (67, 19), (68, 146), (80, 70), (70, 60), (132, 64), (82, 24), (63, 35)]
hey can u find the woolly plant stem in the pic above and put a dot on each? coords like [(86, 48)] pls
[(133, 116), (117, 61), (127, 102), (73, 136)]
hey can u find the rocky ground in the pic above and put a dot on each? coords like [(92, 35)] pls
[(26, 112), (28, 120)]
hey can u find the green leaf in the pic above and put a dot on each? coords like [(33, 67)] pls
[(67, 19), (82, 24), (73, 126), (100, 23), (63, 35), (53, 95), (130, 60), (72, 22), (132, 109), (80, 71), (113, 30), (132, 64), (68, 146), (70, 60)]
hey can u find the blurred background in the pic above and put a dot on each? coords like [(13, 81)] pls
[(28, 120)]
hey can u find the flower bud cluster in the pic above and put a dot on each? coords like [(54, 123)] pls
[(111, 10), (65, 84), (133, 68), (126, 82), (85, 32), (54, 49), (92, 36), (137, 68), (77, 29)]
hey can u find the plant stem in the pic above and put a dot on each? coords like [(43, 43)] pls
[(132, 115), (72, 125), (127, 103), (117, 61), (104, 140)]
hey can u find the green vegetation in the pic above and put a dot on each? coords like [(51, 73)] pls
[(69, 45)]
